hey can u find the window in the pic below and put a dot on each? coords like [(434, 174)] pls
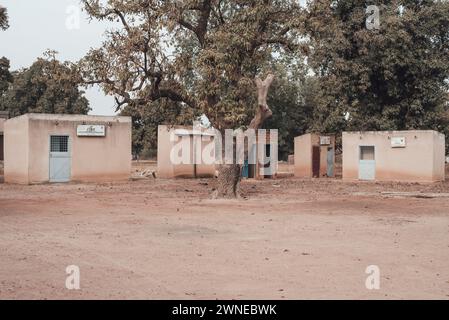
[(367, 153), (59, 144)]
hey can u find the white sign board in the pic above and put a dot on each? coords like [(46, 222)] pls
[(91, 131), (325, 141), (398, 142)]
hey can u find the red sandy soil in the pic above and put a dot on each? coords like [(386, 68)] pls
[(167, 239)]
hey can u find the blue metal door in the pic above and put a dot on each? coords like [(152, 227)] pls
[(60, 161)]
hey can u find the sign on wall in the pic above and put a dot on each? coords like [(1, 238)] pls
[(325, 140), (398, 142), (91, 130)]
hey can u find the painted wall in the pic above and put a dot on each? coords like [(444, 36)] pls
[(166, 169), (93, 159), (16, 141), (422, 160), (303, 155)]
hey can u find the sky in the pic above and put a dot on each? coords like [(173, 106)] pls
[(61, 25), (38, 25)]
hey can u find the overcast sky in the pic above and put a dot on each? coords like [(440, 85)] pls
[(38, 25)]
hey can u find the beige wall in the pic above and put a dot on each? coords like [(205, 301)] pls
[(2, 124), (303, 155), (16, 141), (422, 160), (92, 158), (165, 168)]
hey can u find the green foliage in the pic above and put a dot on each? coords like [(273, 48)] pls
[(394, 78), (3, 18), (48, 86), (5, 75), (292, 100), (146, 120), (203, 54)]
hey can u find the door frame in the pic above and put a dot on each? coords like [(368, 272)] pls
[(69, 151)]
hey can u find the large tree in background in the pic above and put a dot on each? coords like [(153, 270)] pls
[(395, 77), (3, 18), (47, 86), (292, 101), (204, 54), (145, 121), (5, 75)]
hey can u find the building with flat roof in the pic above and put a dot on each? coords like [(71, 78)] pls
[(41, 148), (185, 152), (314, 156), (415, 156)]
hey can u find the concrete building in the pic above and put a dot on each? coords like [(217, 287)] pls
[(43, 148), (261, 163), (180, 152), (185, 152), (416, 156), (314, 156)]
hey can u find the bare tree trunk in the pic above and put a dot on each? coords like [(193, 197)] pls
[(228, 181), (229, 176)]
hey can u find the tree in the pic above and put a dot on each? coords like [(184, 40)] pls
[(48, 86), (5, 75), (204, 54), (393, 78), (4, 24), (145, 122), (292, 102)]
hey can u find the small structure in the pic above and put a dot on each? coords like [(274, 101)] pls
[(416, 156), (314, 156), (262, 164), (43, 148), (3, 118), (185, 152), (189, 152)]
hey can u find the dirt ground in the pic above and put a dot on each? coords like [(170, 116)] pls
[(166, 239)]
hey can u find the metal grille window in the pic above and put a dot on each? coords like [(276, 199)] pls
[(59, 144)]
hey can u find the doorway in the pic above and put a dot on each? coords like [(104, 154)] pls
[(330, 162), (316, 161), (60, 160), (1, 148), (367, 163)]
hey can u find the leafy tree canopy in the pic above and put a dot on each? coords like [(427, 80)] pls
[(203, 54), (48, 86), (4, 24), (393, 78)]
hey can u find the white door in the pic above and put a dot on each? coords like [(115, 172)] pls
[(367, 163), (60, 161)]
